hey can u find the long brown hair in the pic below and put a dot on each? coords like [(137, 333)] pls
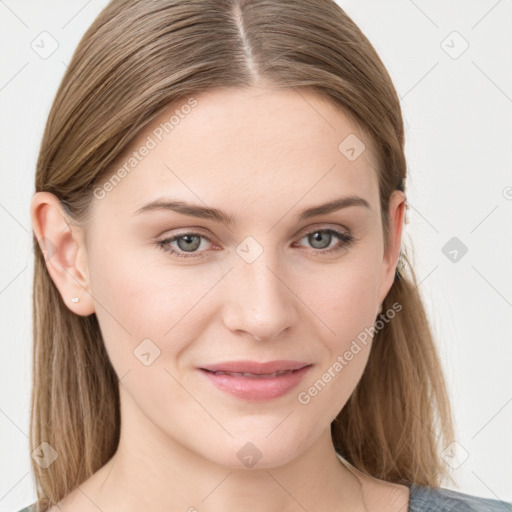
[(134, 61)]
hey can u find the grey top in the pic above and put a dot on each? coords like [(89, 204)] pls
[(434, 499), (438, 499)]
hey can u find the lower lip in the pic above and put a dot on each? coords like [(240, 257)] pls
[(257, 388)]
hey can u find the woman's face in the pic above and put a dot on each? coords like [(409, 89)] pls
[(273, 284)]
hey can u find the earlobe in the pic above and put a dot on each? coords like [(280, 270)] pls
[(62, 245)]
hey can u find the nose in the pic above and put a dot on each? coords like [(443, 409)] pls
[(261, 304)]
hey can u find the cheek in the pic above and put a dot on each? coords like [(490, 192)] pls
[(344, 300), (148, 318), (346, 311), (346, 348), (136, 302)]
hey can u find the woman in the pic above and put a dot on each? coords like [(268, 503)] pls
[(223, 318)]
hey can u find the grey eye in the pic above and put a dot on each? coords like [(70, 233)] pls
[(188, 242), (320, 239)]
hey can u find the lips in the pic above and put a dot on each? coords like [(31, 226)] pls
[(250, 380)]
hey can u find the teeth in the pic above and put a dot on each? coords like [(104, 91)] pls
[(245, 374)]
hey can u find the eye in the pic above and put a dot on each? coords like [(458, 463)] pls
[(322, 238), (187, 243)]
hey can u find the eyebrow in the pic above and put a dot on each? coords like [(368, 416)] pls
[(216, 215)]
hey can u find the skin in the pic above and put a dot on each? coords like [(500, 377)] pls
[(262, 156)]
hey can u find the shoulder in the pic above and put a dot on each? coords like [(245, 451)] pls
[(434, 499)]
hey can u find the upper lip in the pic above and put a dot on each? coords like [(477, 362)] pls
[(255, 367)]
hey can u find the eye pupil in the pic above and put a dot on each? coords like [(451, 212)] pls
[(194, 244)]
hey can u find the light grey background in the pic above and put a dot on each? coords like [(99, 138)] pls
[(457, 108)]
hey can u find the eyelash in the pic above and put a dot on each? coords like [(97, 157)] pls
[(346, 240)]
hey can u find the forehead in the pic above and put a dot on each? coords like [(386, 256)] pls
[(247, 145)]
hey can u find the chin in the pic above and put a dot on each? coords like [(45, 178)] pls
[(252, 453)]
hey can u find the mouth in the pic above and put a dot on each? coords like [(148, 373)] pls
[(254, 375), (255, 367), (256, 381)]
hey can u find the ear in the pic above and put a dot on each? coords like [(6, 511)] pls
[(63, 247), (390, 260)]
